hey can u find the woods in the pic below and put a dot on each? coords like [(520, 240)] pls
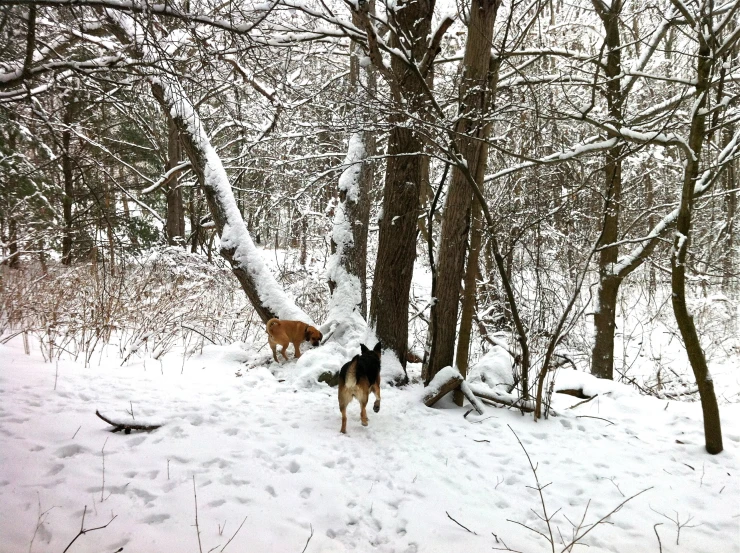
[(545, 163)]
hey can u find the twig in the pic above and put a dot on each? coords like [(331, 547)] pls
[(539, 489), (602, 519), (102, 489), (197, 528), (127, 428), (39, 521), (590, 417), (308, 540), (460, 525), (613, 482), (76, 431), (235, 533), (199, 332), (84, 531), (677, 522), (582, 402), (655, 529)]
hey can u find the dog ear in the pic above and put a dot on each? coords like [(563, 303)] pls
[(307, 335), (363, 349), (377, 348)]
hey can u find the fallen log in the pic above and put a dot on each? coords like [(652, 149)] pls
[(491, 397), (443, 383), (127, 427), (470, 396), (574, 392)]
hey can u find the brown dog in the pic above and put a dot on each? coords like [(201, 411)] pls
[(290, 332), (357, 379)]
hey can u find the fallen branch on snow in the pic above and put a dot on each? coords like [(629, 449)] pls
[(445, 381), (126, 427)]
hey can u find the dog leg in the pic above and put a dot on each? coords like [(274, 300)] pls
[(344, 420), (273, 347), (363, 397), (344, 399), (282, 351), (297, 346), (376, 392)]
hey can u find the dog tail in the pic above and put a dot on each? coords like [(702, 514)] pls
[(350, 379), (271, 323)]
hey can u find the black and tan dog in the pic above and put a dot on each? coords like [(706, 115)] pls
[(357, 379), (282, 333)]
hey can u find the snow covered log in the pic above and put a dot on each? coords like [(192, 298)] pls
[(500, 398), (470, 396), (266, 295), (126, 426), (443, 383)]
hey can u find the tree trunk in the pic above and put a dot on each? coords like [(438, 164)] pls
[(684, 320), (267, 296), (13, 258), (195, 230), (602, 355), (175, 223), (68, 176), (394, 267), (352, 215), (474, 98), (470, 294)]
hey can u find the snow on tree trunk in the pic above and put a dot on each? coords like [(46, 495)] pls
[(266, 295), (346, 277)]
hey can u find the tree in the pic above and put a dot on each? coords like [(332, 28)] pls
[(476, 89)]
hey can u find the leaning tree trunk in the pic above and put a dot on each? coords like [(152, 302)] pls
[(684, 320), (394, 267), (470, 131), (264, 292)]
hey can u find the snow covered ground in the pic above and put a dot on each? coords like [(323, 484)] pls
[(262, 443)]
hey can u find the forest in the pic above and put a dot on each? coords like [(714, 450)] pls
[(530, 204)]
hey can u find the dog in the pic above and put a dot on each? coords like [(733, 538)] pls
[(282, 333), (357, 379)]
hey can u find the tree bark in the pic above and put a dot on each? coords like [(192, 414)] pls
[(475, 93), (68, 177), (602, 355), (175, 222), (469, 296), (684, 320), (394, 267)]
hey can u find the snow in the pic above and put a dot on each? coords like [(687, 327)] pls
[(345, 319), (495, 369), (259, 444)]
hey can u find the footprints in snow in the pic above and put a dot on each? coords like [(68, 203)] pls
[(70, 451)]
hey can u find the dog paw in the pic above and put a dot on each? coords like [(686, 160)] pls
[(364, 423), (376, 408)]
